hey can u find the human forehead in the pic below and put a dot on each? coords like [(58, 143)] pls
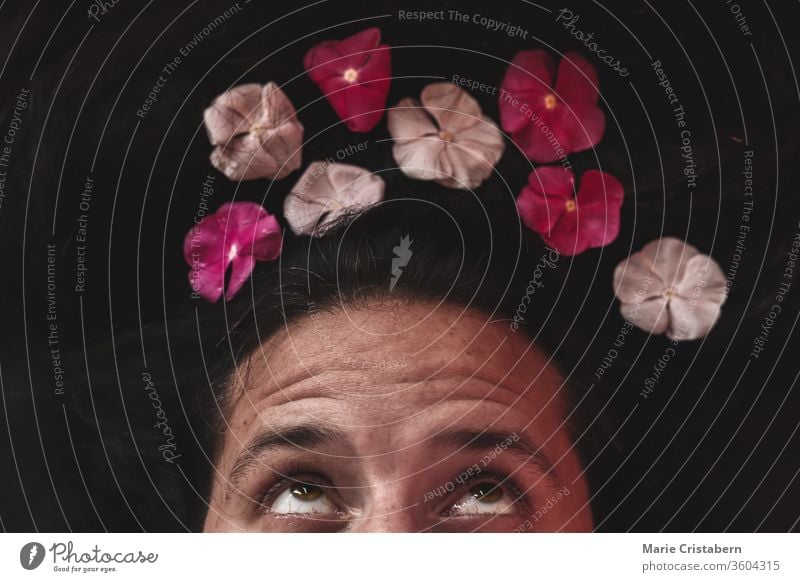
[(380, 345)]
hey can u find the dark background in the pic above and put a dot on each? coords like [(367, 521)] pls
[(715, 447)]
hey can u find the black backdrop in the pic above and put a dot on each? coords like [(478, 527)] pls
[(714, 447)]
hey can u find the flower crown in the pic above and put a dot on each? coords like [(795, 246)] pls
[(547, 112)]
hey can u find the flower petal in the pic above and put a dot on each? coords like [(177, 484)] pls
[(692, 286), (208, 282), (599, 200), (326, 191), (233, 113), (555, 181), (333, 57), (472, 155), (527, 80), (549, 123), (268, 241), (599, 190), (237, 234), (667, 258), (599, 228), (460, 152), (577, 80), (568, 236), (409, 120), (585, 124), (545, 138), (420, 158), (274, 154), (241, 267), (691, 321), (453, 108), (702, 279), (263, 142), (360, 100), (652, 315), (355, 187), (538, 212), (634, 282)]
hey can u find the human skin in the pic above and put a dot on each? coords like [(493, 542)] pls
[(398, 417)]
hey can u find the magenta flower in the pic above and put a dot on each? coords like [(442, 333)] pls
[(548, 122), (355, 74), (571, 223), (237, 235)]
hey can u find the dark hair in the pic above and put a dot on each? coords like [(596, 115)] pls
[(87, 452)]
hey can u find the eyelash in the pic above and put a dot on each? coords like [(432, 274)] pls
[(497, 478), (284, 477), (297, 474)]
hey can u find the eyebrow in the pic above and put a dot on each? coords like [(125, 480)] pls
[(307, 436), (521, 448), (296, 437)]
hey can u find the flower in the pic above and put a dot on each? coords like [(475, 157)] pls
[(237, 235), (325, 191), (445, 138), (571, 224), (355, 74), (255, 133), (548, 122), (669, 287)]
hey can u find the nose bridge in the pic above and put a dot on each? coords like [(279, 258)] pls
[(395, 520), (390, 509)]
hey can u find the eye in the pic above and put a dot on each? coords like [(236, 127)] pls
[(484, 498), (299, 497)]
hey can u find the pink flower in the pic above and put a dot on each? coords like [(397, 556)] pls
[(255, 133), (355, 74), (670, 288), (327, 191), (445, 137), (571, 224), (237, 235), (548, 122)]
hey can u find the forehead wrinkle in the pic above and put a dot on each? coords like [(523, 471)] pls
[(431, 369), (369, 344), (339, 385)]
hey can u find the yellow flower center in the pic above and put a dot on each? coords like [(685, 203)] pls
[(571, 206), (350, 75), (445, 135), (550, 101), (669, 292)]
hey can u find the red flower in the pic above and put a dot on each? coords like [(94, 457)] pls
[(550, 122), (571, 224), (354, 74), (236, 236)]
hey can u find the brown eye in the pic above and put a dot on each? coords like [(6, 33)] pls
[(483, 499), (305, 492), (296, 497), (486, 493)]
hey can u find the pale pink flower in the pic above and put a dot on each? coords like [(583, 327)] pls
[(327, 190), (670, 288), (445, 137), (255, 133)]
